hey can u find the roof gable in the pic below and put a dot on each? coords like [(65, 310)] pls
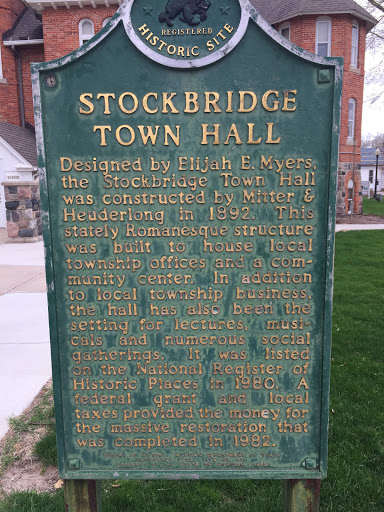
[(22, 140), (368, 157), (276, 11), (28, 26)]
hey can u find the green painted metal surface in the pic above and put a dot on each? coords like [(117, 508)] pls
[(188, 224)]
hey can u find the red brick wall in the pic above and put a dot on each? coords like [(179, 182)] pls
[(9, 94), (303, 33), (9, 11), (62, 38), (353, 87), (9, 110), (9, 91), (29, 54)]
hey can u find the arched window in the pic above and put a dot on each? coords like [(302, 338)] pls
[(86, 30), (355, 44), (351, 118), (107, 20), (285, 30), (323, 36)]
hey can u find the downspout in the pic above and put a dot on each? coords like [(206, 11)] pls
[(20, 80)]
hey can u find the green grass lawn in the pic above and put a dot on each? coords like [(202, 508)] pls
[(373, 207), (355, 480)]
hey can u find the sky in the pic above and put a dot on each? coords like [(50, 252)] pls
[(372, 120), (373, 113)]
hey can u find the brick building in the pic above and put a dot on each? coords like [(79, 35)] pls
[(336, 28), (326, 27)]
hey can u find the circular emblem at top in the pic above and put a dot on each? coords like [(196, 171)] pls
[(186, 33)]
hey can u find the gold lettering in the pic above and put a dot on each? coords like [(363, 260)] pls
[(207, 134), (191, 97), (275, 103), (270, 135), (253, 96), (235, 134), (135, 103), (145, 103), (131, 132), (89, 104), (169, 133), (287, 100), (102, 133), (208, 101), (167, 102), (106, 97)]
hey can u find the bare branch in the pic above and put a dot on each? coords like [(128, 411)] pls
[(377, 4), (377, 35), (373, 141)]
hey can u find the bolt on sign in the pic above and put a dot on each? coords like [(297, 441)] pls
[(188, 160)]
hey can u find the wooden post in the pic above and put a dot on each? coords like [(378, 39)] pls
[(82, 496), (302, 496)]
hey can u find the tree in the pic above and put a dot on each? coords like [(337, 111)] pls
[(378, 4), (375, 50), (373, 141), (375, 38)]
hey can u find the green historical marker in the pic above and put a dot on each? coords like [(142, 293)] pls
[(188, 160)]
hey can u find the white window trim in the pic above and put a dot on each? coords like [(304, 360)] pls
[(351, 120), (106, 20), (354, 64), (1, 66), (83, 38), (329, 42), (283, 26)]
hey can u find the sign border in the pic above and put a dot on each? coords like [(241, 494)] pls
[(248, 14)]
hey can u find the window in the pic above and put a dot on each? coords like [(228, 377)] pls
[(351, 118), (285, 30), (106, 21), (371, 176), (86, 30), (355, 44), (323, 37)]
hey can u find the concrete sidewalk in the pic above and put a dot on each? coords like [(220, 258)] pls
[(25, 362), (358, 227)]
